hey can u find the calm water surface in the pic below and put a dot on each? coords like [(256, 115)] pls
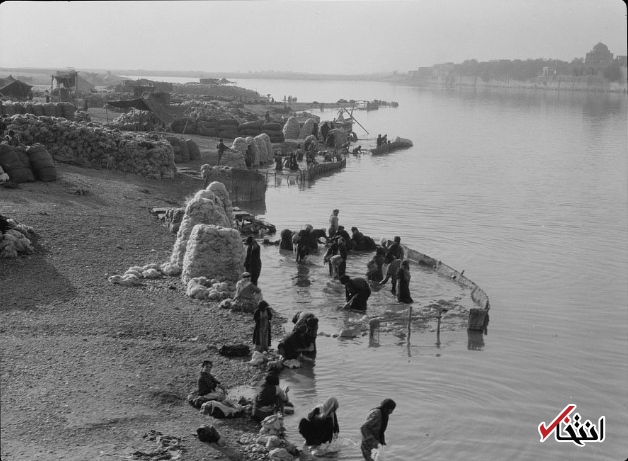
[(524, 190)]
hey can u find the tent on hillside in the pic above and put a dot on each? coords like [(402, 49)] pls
[(149, 103), (12, 88)]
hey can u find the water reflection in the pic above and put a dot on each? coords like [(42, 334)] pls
[(476, 340)]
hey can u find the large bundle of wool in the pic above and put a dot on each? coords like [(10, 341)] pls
[(221, 192), (291, 129), (195, 151), (15, 162), (214, 252), (340, 137), (264, 156), (96, 146), (204, 208), (269, 151), (211, 289), (233, 159), (135, 274), (307, 128), (240, 145)]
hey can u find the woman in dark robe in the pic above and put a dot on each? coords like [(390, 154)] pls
[(261, 334), (253, 261), (403, 283), (375, 267), (321, 424), (304, 243)]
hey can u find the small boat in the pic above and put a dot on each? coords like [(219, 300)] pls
[(247, 223), (397, 144)]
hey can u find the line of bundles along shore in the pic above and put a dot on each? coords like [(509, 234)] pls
[(208, 255)]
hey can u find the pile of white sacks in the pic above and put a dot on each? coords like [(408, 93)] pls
[(208, 253), (261, 146)]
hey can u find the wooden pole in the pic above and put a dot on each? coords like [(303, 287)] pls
[(409, 322), (438, 328)]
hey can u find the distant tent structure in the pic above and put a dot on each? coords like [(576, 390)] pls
[(151, 103), (13, 88)]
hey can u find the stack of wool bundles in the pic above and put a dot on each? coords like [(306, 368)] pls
[(210, 289), (340, 136), (207, 127), (228, 128), (307, 129), (214, 252), (15, 162), (250, 128), (195, 151), (59, 109), (204, 208), (240, 145), (221, 192), (95, 146), (291, 129), (15, 241), (233, 159), (134, 275), (265, 146), (274, 131)]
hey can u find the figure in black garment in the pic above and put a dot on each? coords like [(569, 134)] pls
[(253, 261), (357, 292)]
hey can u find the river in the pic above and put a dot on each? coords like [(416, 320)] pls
[(524, 190)]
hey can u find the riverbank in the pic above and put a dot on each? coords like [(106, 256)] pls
[(89, 368)]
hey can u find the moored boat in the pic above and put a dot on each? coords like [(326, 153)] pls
[(397, 144)]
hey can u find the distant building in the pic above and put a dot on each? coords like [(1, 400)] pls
[(598, 57)]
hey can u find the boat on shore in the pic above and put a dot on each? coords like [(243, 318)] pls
[(397, 144)]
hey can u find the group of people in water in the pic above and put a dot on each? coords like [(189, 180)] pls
[(321, 425)]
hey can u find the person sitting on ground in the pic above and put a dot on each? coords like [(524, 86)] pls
[(270, 399), (321, 425), (391, 273), (247, 294), (207, 384), (13, 139), (395, 251), (357, 292)]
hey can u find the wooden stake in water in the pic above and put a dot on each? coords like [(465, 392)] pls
[(409, 322), (440, 314)]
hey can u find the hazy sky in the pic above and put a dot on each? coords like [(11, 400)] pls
[(302, 36)]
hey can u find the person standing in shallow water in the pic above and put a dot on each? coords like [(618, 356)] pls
[(261, 334), (375, 426), (253, 260), (403, 280), (333, 223)]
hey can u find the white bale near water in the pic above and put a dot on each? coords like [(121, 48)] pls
[(291, 128), (240, 145), (233, 159), (255, 148), (261, 147), (221, 192), (213, 252), (204, 208), (307, 129)]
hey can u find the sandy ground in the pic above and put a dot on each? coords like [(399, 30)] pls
[(88, 368)]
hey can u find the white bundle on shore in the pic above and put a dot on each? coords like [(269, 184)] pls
[(204, 208), (134, 275), (307, 129), (240, 145), (261, 148), (265, 147), (221, 192), (213, 252), (210, 289), (14, 243), (233, 159), (291, 128)]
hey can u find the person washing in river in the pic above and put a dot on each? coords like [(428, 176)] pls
[(333, 223), (357, 292), (374, 428)]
